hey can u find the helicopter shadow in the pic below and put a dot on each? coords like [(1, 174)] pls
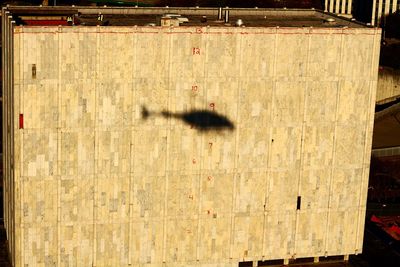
[(202, 120)]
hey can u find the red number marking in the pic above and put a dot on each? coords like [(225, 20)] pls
[(196, 51), (194, 88), (212, 106)]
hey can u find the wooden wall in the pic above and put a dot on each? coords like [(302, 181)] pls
[(99, 185)]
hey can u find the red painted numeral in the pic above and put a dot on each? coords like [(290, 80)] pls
[(209, 178), (212, 106), (194, 88), (210, 144), (194, 161), (196, 51)]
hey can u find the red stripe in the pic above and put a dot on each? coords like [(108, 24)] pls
[(21, 121), (46, 22)]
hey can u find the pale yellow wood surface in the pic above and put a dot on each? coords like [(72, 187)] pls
[(99, 185)]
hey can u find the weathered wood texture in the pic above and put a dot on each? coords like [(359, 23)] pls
[(98, 185)]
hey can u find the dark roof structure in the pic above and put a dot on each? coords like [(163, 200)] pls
[(251, 17)]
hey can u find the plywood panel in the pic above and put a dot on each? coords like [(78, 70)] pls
[(186, 95), (321, 101), (318, 146), (288, 102), (76, 199), (112, 244), (40, 245), (114, 106), (357, 62), (310, 236), (76, 244), (184, 150), (155, 57), (354, 97), (214, 238), (222, 96), (77, 152), (223, 52), (149, 151), (40, 153), (323, 63), (189, 50), (255, 103), (342, 227), (78, 104), (39, 202), (315, 189), (248, 236), (345, 192), (279, 235), (250, 193), (40, 108), (291, 54), (183, 194), (147, 242), (216, 193), (285, 147), (114, 151), (282, 191), (253, 147), (218, 151), (350, 142), (45, 57), (181, 240), (110, 46), (77, 55), (112, 198), (148, 196), (151, 94), (256, 61)]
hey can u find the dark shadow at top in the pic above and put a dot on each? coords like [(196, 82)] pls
[(202, 120)]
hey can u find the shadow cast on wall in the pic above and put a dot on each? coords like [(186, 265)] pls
[(202, 120)]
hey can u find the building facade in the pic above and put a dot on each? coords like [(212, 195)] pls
[(342, 7), (381, 8), (200, 143), (369, 11)]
